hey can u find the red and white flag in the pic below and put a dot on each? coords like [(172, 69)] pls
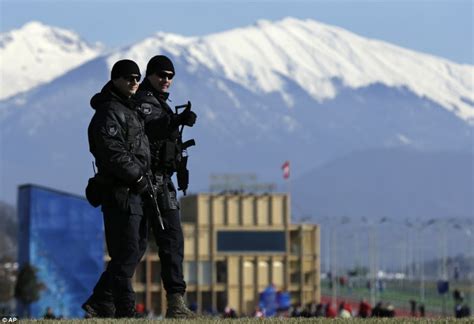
[(286, 169)]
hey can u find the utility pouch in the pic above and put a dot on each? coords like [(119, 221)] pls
[(94, 191), (167, 199), (173, 200), (169, 154), (164, 198), (183, 179), (159, 183)]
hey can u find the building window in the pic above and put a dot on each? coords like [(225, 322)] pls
[(295, 275), (205, 272), (309, 272), (206, 299), (295, 245), (191, 300), (221, 272), (222, 301), (156, 303), (155, 272), (140, 272), (256, 241), (190, 272)]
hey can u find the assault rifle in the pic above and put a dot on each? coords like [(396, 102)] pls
[(152, 193), (182, 172)]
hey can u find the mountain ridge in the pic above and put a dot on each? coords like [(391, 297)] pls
[(312, 54), (355, 60), (38, 53)]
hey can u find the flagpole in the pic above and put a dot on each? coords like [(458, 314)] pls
[(286, 176), (288, 186)]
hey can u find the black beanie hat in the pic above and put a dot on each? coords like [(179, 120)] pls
[(159, 63), (124, 68)]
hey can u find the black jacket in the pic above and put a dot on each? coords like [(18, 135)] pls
[(161, 126), (117, 138)]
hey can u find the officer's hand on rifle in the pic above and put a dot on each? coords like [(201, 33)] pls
[(187, 117), (140, 186)]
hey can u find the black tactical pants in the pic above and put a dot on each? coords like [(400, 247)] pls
[(170, 241), (126, 238)]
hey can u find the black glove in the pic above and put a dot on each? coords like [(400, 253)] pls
[(187, 117), (140, 186)]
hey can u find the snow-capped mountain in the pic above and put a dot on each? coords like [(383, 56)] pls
[(291, 89), (312, 54), (37, 53)]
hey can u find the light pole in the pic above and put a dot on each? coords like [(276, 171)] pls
[(442, 265), (334, 266), (468, 230), (420, 253), (333, 239), (421, 250), (373, 266), (470, 233), (372, 258)]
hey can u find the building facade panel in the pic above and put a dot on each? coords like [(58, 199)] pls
[(233, 208), (277, 210), (262, 209), (248, 210), (219, 210)]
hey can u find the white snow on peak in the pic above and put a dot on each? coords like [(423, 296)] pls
[(37, 53), (263, 56), (160, 43)]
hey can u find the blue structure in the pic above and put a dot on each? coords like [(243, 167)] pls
[(268, 301), (62, 236), (272, 301)]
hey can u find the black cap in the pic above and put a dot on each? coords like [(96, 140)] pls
[(159, 63), (124, 68)]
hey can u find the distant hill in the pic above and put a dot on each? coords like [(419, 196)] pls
[(395, 205), (390, 183)]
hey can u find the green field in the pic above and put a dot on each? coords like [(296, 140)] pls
[(400, 292)]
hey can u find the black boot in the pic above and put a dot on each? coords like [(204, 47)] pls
[(126, 311), (98, 308), (177, 307)]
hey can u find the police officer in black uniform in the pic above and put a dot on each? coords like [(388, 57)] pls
[(119, 144), (161, 126)]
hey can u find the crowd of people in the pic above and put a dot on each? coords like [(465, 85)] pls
[(328, 310)]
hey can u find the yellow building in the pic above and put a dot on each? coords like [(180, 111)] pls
[(235, 246)]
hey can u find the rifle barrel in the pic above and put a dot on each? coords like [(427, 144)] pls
[(154, 201)]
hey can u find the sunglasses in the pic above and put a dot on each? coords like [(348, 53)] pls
[(164, 75), (132, 78)]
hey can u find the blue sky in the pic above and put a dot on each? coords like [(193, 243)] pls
[(443, 28)]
